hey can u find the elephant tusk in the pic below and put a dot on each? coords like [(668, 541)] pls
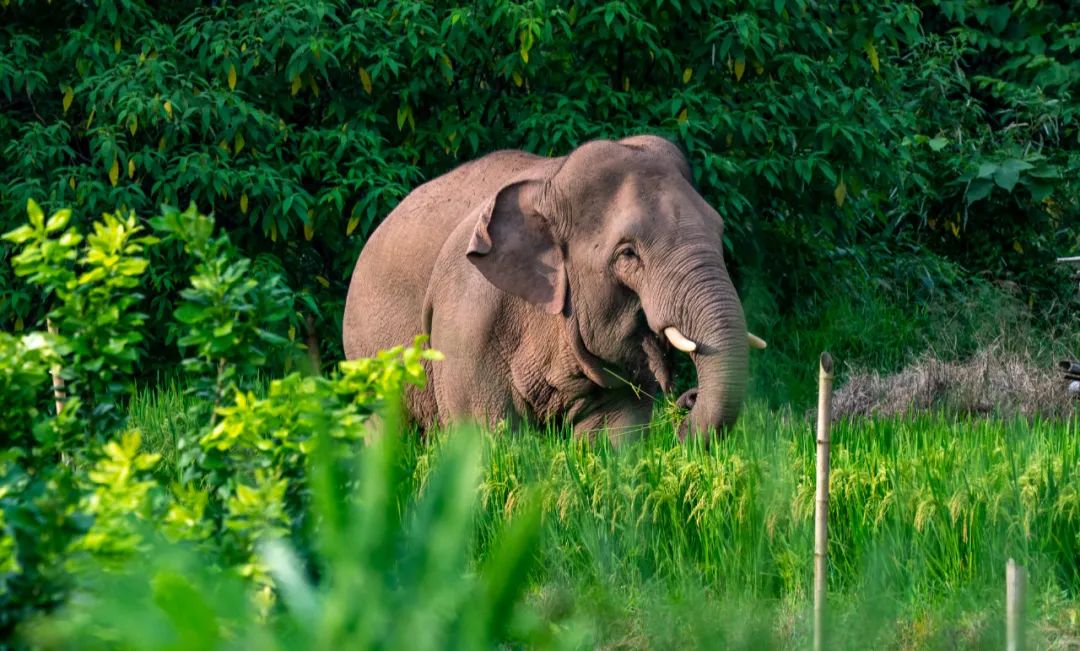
[(678, 340), (756, 341)]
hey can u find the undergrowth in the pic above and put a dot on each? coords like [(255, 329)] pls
[(228, 510), (658, 544)]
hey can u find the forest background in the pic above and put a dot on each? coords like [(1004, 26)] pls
[(876, 157)]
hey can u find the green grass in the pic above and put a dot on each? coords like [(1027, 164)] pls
[(660, 544), (164, 414)]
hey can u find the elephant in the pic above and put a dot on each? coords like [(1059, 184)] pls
[(558, 290)]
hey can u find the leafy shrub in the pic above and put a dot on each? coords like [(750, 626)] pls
[(90, 283), (23, 376), (227, 318), (96, 303), (79, 494), (34, 526)]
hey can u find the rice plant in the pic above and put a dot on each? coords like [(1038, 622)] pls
[(665, 545)]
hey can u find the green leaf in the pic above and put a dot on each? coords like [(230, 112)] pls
[(938, 143), (986, 170), (189, 314), (94, 275), (1045, 172), (1040, 191), (20, 235), (978, 189), (59, 220), (1017, 165), (297, 591), (505, 572), (871, 53), (37, 218), (1006, 178)]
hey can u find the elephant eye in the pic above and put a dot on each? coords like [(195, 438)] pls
[(626, 260)]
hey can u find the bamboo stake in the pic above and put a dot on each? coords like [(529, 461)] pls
[(821, 502), (1015, 589), (1067, 367), (58, 389), (57, 381), (1074, 259), (313, 345)]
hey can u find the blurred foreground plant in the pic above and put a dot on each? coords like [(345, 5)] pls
[(379, 576), (292, 494)]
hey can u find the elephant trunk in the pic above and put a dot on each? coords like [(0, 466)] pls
[(709, 314), (722, 362), (720, 392)]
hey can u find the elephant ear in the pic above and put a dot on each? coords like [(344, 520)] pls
[(514, 247)]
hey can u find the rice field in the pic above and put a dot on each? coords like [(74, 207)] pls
[(663, 545)]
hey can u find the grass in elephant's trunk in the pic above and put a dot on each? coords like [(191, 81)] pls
[(706, 320)]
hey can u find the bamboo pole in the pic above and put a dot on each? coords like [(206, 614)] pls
[(1074, 260), (57, 381), (1068, 367), (1015, 589), (821, 501), (313, 345), (58, 389)]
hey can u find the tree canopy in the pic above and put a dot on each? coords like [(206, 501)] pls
[(910, 144)]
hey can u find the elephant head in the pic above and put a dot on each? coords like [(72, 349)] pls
[(620, 244)]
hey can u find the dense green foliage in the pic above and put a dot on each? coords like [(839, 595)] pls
[(874, 145)]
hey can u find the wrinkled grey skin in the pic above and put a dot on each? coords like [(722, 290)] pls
[(548, 282)]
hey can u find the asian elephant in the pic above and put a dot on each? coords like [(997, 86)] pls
[(556, 289)]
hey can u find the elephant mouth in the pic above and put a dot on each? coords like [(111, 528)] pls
[(656, 374), (644, 369)]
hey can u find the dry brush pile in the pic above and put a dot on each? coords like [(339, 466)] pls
[(991, 382)]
